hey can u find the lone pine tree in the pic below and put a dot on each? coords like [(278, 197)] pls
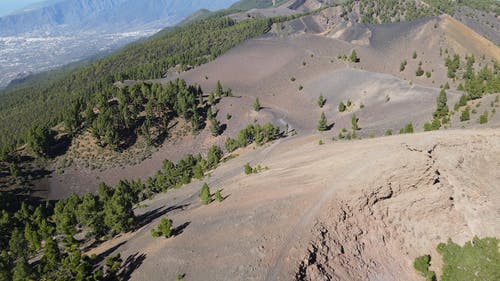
[(322, 123), (205, 194)]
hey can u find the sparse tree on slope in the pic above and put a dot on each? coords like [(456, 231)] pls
[(256, 105), (205, 196), (354, 56), (322, 123), (321, 101)]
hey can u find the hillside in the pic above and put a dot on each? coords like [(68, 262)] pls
[(296, 142), (308, 215), (66, 31), (107, 16)]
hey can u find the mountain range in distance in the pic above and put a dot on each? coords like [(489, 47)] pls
[(57, 32)]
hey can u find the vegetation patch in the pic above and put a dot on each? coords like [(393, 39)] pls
[(478, 259)]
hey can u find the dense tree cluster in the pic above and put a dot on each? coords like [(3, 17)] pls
[(50, 229), (117, 117), (385, 11), (452, 64), (485, 81), (47, 98), (47, 230), (253, 133), (451, 6)]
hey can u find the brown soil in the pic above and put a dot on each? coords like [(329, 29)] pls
[(264, 67), (326, 211)]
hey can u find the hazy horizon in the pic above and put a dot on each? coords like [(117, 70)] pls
[(9, 6)]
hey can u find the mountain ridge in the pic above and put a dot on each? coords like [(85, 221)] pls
[(108, 16)]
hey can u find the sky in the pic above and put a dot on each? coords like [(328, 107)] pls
[(8, 6)]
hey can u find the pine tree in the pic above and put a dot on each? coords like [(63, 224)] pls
[(32, 237), (354, 56), (214, 156), (256, 105), (321, 101), (51, 256), (248, 169), (205, 196), (218, 196), (113, 265), (18, 245), (354, 122), (442, 107), (211, 99), (89, 213), (322, 123), (22, 271), (118, 212), (419, 71), (164, 228), (215, 127), (218, 89), (465, 115), (342, 107), (5, 266), (408, 129)]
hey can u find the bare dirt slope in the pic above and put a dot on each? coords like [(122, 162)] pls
[(306, 50), (325, 211)]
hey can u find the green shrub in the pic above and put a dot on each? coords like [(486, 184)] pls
[(465, 116), (248, 169), (218, 196), (164, 229), (354, 122), (483, 118), (421, 264), (342, 107), (408, 129), (231, 144), (419, 71), (433, 126), (476, 260), (402, 66), (388, 132)]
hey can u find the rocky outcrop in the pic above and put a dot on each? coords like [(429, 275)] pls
[(376, 233)]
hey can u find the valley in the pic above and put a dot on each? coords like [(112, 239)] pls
[(313, 140)]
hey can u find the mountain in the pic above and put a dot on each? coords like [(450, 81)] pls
[(104, 15), (65, 31)]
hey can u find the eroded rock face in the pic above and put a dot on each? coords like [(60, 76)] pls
[(375, 234)]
